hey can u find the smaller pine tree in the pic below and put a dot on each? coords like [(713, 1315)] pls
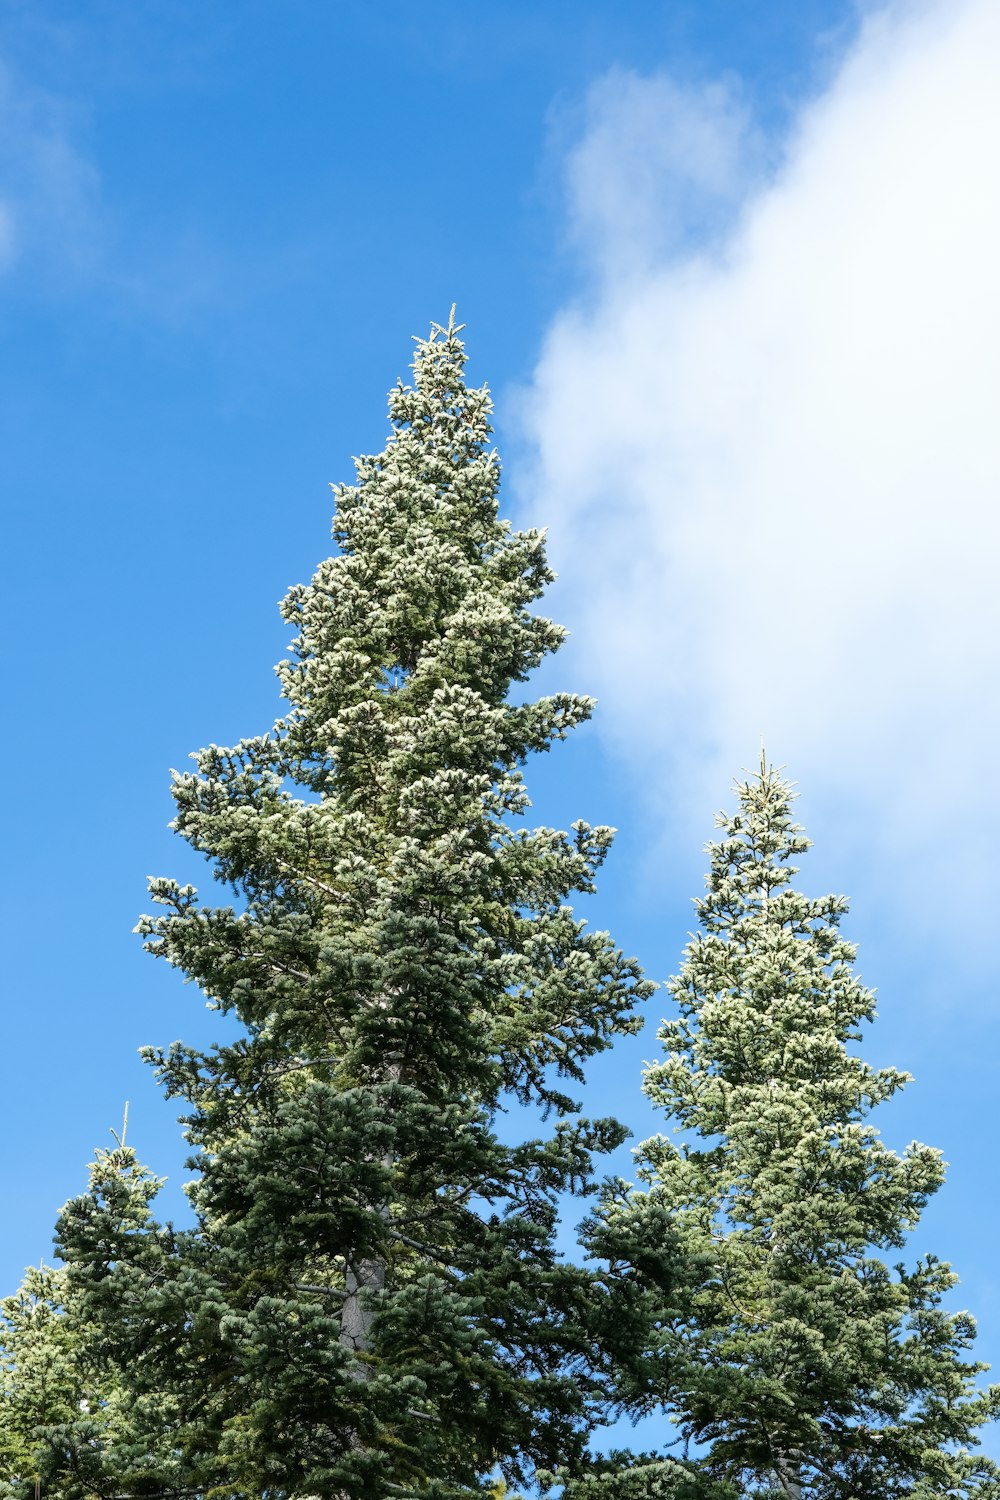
[(63, 1402), (794, 1359), (39, 1378)]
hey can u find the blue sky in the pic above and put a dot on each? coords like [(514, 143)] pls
[(730, 273)]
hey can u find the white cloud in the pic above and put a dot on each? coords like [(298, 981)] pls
[(770, 455), (655, 160)]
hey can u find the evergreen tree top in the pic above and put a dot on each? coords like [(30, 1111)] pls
[(767, 995), (429, 593)]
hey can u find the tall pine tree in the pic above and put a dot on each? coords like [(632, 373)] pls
[(370, 1302), (797, 1361)]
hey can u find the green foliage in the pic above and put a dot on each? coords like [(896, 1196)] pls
[(626, 1476), (39, 1376), (60, 1401), (370, 1303), (796, 1359)]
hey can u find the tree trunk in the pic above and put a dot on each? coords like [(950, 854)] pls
[(787, 1474), (356, 1318), (365, 1276)]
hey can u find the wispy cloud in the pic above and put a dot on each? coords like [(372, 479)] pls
[(654, 163), (65, 229), (49, 187), (770, 452)]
